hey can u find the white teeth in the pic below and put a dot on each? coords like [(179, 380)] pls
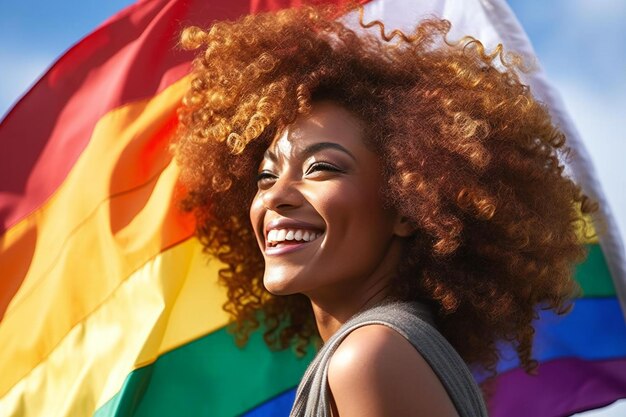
[(280, 235)]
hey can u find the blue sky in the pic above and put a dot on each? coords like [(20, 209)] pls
[(580, 43)]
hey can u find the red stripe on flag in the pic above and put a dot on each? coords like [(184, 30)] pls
[(133, 56)]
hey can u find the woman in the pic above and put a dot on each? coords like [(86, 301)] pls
[(394, 185)]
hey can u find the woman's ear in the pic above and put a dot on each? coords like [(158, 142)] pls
[(403, 227)]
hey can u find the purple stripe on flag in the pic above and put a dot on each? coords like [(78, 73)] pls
[(561, 388)]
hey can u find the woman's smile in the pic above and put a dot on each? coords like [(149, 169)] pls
[(287, 235)]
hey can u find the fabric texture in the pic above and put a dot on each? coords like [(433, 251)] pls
[(414, 322)]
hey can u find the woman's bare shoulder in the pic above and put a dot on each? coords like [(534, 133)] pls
[(376, 372)]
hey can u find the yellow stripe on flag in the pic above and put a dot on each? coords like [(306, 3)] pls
[(171, 300), (88, 239)]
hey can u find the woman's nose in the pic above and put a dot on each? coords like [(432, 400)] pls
[(282, 195)]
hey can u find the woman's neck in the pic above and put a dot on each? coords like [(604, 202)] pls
[(331, 313), (335, 304)]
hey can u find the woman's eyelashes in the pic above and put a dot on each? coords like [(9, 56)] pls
[(265, 175), (321, 167), (265, 178)]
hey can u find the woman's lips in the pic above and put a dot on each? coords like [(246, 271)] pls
[(287, 246)]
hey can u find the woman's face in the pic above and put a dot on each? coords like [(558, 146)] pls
[(318, 213)]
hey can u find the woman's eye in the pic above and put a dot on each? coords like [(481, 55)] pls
[(322, 166), (265, 177)]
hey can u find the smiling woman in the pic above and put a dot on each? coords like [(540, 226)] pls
[(319, 178), (406, 195)]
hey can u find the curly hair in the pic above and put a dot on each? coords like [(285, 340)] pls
[(469, 156)]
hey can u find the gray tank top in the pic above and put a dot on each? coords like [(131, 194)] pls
[(413, 321)]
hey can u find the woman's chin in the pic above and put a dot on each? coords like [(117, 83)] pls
[(280, 286)]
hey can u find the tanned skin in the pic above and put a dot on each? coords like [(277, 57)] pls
[(321, 173)]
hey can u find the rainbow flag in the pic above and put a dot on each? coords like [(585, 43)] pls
[(108, 306)]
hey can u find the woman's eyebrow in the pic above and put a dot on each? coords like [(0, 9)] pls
[(316, 147), (312, 149)]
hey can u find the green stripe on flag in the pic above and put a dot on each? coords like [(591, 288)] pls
[(593, 274), (208, 377), (212, 377)]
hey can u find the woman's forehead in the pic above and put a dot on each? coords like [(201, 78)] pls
[(326, 123)]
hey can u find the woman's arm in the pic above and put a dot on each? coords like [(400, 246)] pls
[(376, 372)]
